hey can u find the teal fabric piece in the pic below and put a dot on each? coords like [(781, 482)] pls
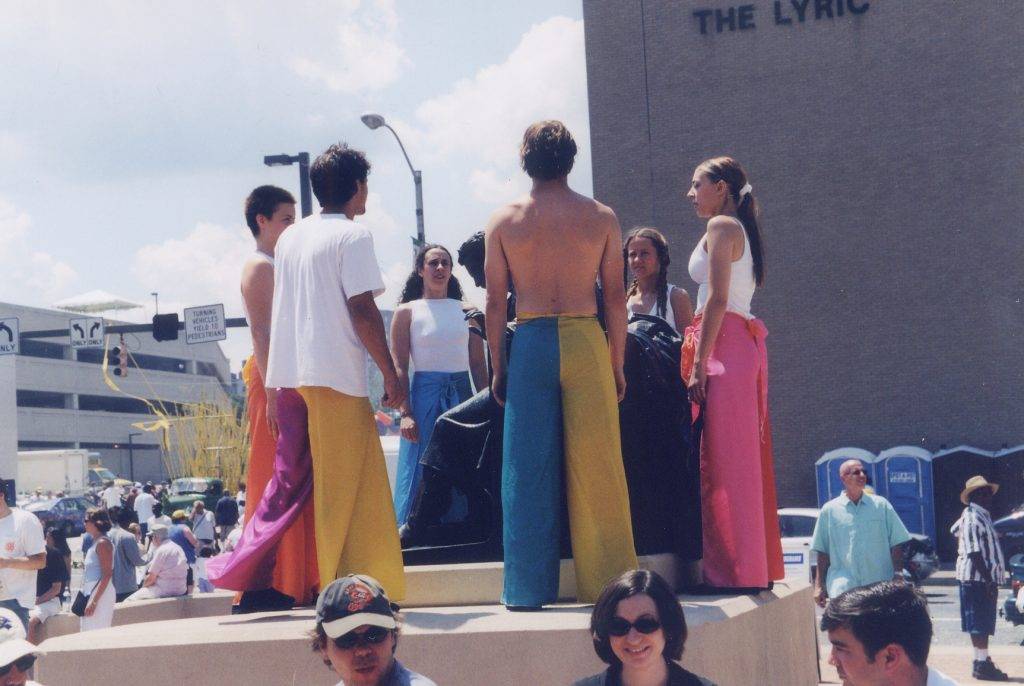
[(857, 537)]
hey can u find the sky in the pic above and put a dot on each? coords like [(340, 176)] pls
[(131, 132)]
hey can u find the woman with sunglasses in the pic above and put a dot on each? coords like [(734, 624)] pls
[(17, 655), (99, 570), (639, 630)]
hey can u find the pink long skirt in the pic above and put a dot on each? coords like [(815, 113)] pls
[(742, 544)]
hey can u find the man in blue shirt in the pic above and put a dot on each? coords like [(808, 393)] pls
[(857, 538)]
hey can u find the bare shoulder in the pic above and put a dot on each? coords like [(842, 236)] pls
[(505, 216), (256, 267), (403, 311), (724, 225)]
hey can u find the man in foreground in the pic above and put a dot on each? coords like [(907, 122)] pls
[(22, 555), (324, 323), (561, 394), (881, 635), (356, 634), (980, 569), (857, 537)]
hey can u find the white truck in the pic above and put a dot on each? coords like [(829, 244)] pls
[(53, 470)]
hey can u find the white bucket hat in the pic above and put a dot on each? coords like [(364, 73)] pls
[(12, 639)]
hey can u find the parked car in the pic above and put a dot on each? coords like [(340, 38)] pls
[(1013, 606), (1010, 530), (797, 526), (67, 512), (186, 490)]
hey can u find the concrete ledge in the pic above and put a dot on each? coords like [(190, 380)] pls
[(768, 638), (161, 609)]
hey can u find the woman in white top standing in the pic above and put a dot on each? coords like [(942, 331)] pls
[(646, 256), (725, 364), (430, 329)]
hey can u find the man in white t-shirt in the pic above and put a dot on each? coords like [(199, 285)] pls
[(22, 554), (324, 322), (144, 507), (111, 496)]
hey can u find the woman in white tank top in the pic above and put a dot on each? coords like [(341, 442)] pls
[(645, 252), (725, 365), (430, 330)]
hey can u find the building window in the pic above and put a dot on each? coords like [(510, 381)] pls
[(35, 348), (44, 445), (41, 399), (104, 403), (140, 360), (208, 369)]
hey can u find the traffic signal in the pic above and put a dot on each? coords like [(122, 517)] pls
[(165, 327)]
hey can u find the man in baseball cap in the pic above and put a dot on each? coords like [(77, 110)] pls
[(17, 655), (357, 633)]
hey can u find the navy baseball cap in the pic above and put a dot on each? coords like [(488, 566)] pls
[(353, 601)]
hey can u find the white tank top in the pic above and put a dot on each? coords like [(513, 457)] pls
[(741, 279), (670, 315), (438, 336), (260, 255)]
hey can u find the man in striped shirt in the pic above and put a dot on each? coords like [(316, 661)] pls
[(980, 570)]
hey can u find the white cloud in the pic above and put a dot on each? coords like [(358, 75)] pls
[(31, 277), (483, 118), (202, 268), (367, 58), (384, 227)]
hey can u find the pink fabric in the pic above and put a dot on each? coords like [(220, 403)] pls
[(250, 566), (742, 544)]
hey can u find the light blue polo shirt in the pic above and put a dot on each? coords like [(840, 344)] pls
[(857, 539)]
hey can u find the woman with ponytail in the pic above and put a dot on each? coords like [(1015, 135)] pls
[(430, 328), (645, 253), (725, 365)]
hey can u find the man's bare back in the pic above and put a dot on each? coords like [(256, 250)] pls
[(552, 245)]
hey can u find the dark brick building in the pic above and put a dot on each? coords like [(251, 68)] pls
[(885, 143)]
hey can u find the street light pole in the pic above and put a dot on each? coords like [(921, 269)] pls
[(305, 199), (131, 456), (375, 121), (156, 302)]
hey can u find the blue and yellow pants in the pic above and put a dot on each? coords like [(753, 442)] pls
[(562, 417)]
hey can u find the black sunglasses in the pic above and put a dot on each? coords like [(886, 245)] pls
[(857, 472), (22, 663), (617, 626), (371, 636)]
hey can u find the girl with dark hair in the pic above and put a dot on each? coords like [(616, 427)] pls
[(639, 630), (429, 327), (742, 547), (645, 252)]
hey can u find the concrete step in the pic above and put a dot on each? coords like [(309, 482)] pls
[(766, 638)]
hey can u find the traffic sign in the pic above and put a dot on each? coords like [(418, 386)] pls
[(9, 336), (86, 332), (205, 324)]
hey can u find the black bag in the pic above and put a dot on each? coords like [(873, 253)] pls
[(78, 607)]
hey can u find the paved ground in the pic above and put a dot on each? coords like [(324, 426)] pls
[(951, 651)]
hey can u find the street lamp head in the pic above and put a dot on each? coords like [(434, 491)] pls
[(278, 160), (373, 121)]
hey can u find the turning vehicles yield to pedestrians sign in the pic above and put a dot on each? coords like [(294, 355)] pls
[(9, 336), (86, 332), (205, 324)]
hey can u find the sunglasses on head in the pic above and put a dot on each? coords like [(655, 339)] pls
[(617, 626), (372, 636), (22, 663)]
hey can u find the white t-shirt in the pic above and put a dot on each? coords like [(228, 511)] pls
[(319, 263), (203, 527), (162, 519), (21, 535), (112, 497), (144, 506)]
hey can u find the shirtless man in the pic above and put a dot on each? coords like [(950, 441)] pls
[(561, 389), (275, 559)]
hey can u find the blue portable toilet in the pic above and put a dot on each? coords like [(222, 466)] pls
[(827, 470), (905, 480), (951, 468)]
